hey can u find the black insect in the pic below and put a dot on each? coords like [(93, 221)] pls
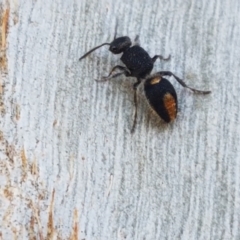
[(159, 92)]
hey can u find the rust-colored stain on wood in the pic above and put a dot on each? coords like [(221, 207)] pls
[(35, 220), (32, 234), (51, 229), (24, 159), (8, 193), (10, 151), (2, 107), (4, 16), (7, 214), (17, 111), (34, 168), (4, 28), (24, 164), (74, 235), (1, 136)]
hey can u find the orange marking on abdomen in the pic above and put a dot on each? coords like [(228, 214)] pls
[(155, 80), (170, 105)]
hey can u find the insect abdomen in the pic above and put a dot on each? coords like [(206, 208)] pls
[(162, 97)]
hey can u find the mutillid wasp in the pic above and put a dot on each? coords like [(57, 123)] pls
[(159, 92)]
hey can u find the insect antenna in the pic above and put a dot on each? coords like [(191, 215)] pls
[(93, 50)]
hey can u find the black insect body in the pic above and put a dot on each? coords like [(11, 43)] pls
[(138, 61), (159, 92)]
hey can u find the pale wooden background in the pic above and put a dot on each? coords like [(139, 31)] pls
[(70, 169)]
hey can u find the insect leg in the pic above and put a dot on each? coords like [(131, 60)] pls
[(124, 71), (161, 58), (135, 85), (168, 73)]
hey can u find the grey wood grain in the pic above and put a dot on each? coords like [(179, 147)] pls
[(71, 169)]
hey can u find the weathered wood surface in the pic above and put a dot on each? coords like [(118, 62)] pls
[(70, 169)]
